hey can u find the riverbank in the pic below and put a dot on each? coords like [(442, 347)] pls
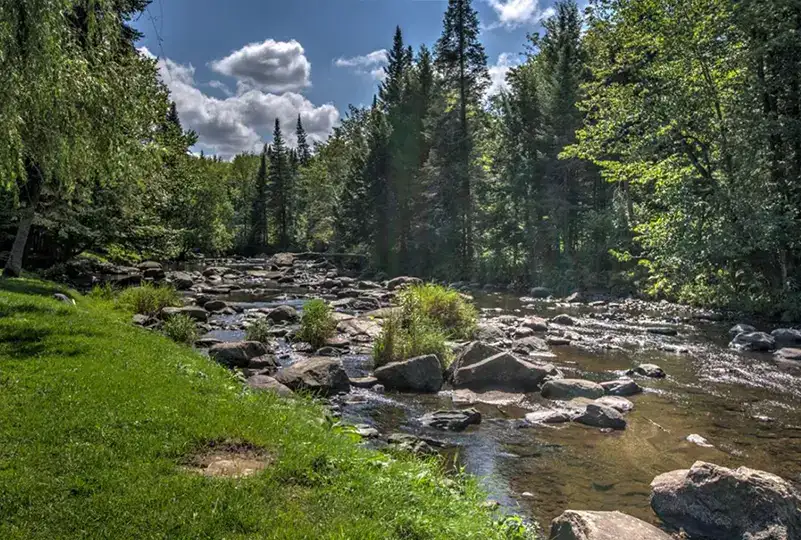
[(108, 430)]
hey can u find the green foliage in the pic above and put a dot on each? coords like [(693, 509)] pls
[(317, 323), (259, 330), (148, 299), (407, 336), (181, 329), (446, 307), (103, 292), (123, 408)]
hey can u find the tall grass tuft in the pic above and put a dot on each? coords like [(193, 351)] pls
[(181, 329), (317, 323), (454, 315), (259, 330), (404, 337), (148, 299)]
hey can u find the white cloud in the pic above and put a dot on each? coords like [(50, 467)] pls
[(514, 13), (221, 86), (240, 122), (498, 72), (274, 66), (371, 64)]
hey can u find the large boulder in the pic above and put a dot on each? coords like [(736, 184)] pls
[(564, 319), (741, 329), (788, 353), (586, 525), (501, 371), (267, 383), (196, 313), (283, 313), (753, 341), (402, 281), (786, 337), (181, 281), (490, 332), (571, 388), (319, 375), (621, 387), (455, 420), (602, 416), (539, 292), (537, 324), (420, 374), (717, 503), (237, 353)]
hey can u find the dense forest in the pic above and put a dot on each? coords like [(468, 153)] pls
[(640, 146)]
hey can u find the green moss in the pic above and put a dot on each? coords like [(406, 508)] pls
[(97, 417)]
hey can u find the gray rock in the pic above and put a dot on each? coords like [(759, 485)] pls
[(366, 431), (454, 420), (265, 382), (193, 312), (181, 281), (265, 362), (420, 374), (741, 329), (539, 292), (149, 265), (363, 382), (531, 344), (501, 371), (564, 320), (786, 337), (403, 281), (318, 375), (753, 341), (555, 416), (698, 441), (788, 353), (557, 341), (571, 388), (619, 403), (215, 271), (237, 353), (662, 331), (64, 299), (648, 370), (328, 351), (403, 442), (523, 332), (283, 313), (489, 332), (537, 324), (621, 387), (602, 417), (215, 305), (586, 525), (717, 503), (207, 342), (156, 274), (575, 298)]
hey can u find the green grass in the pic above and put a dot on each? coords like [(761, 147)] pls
[(181, 329), (259, 330), (403, 337), (317, 323), (97, 416), (454, 315), (148, 299)]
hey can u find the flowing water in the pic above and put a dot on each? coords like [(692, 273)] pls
[(746, 405)]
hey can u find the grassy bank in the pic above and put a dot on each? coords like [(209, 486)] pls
[(97, 419)]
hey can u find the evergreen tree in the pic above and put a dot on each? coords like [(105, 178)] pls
[(462, 64), (303, 150), (280, 187), (173, 119), (258, 217)]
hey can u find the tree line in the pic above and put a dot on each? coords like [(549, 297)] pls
[(640, 146)]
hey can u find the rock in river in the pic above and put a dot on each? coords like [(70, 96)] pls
[(717, 503), (786, 337), (788, 354), (193, 312), (648, 370), (753, 341), (741, 329), (586, 525), (537, 324), (402, 281), (602, 416), (571, 388), (319, 375), (621, 387), (501, 371), (237, 353), (455, 420), (420, 374), (265, 382), (283, 313), (564, 320)]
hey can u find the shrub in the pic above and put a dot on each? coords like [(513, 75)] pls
[(258, 330), (103, 292), (181, 328), (454, 315), (148, 299), (407, 336), (317, 323)]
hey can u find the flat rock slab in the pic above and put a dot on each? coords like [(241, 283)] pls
[(455, 420), (585, 525), (601, 416), (621, 387), (318, 375), (419, 374), (571, 388)]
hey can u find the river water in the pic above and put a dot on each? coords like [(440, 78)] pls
[(744, 404)]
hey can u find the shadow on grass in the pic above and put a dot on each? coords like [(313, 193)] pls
[(27, 286), (21, 343)]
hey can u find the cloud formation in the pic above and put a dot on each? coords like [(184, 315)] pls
[(241, 122), (371, 64), (273, 66), (498, 71), (514, 13)]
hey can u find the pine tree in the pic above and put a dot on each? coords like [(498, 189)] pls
[(379, 196), (280, 187), (258, 216), (172, 117), (462, 65), (304, 152)]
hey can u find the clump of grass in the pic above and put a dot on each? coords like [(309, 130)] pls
[(403, 337), (259, 331), (181, 329), (103, 292), (148, 299), (317, 323), (454, 315)]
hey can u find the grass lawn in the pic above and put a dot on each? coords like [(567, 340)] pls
[(98, 417)]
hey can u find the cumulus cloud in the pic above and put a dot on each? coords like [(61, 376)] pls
[(514, 13), (371, 64), (498, 72), (274, 66), (241, 122), (221, 86)]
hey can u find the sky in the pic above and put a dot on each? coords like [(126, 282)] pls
[(234, 66)]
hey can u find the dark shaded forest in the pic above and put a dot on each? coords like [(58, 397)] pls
[(640, 147)]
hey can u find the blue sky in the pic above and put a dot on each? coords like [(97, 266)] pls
[(234, 66)]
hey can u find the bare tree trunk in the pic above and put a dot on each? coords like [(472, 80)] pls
[(33, 188)]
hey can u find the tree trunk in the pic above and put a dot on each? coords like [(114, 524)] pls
[(33, 190)]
